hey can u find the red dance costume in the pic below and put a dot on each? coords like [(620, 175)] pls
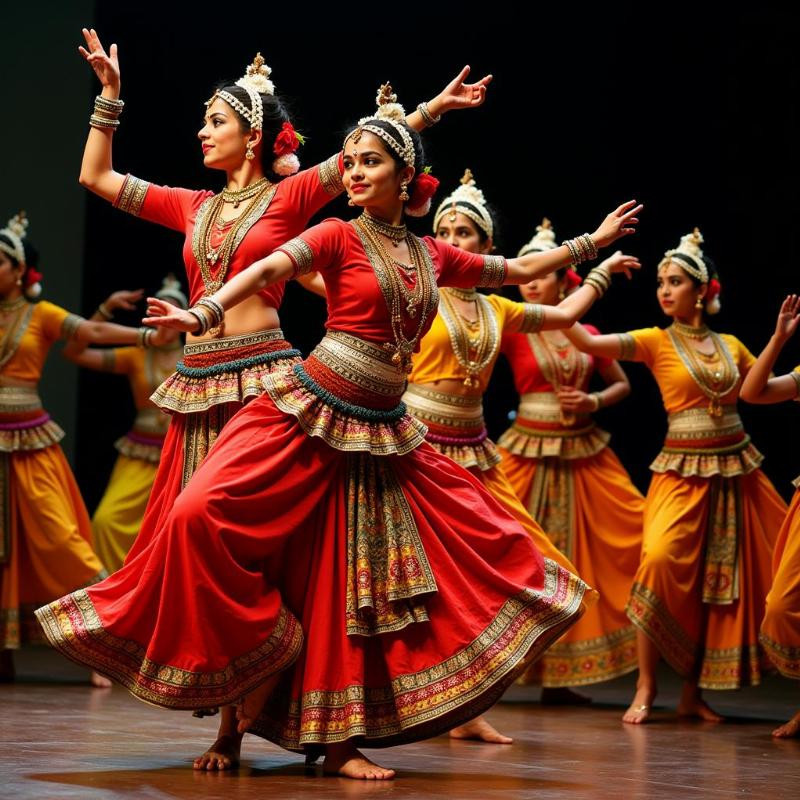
[(217, 377), (324, 537)]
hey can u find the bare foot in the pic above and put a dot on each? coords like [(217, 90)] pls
[(345, 761), (641, 706), (248, 710), (481, 730), (99, 681), (692, 705), (790, 729), (223, 754), (563, 696)]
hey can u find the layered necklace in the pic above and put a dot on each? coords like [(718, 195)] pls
[(18, 314), (418, 302), (474, 342), (715, 373), (562, 364)]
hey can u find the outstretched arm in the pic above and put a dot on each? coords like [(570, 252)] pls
[(617, 224), (608, 344), (457, 94), (758, 386), (97, 172)]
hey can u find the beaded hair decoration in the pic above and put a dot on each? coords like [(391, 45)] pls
[(171, 290), (688, 255), (468, 200), (15, 230), (544, 239), (390, 112), (255, 82)]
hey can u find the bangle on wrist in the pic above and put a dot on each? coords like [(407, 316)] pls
[(105, 312), (428, 118), (144, 337), (598, 400)]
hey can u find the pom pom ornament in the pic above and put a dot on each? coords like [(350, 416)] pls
[(468, 200), (285, 165)]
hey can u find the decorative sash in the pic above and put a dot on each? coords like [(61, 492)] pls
[(721, 567), (455, 425)]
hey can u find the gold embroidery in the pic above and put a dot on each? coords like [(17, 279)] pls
[(70, 325), (627, 347), (532, 318), (721, 563), (200, 432), (796, 378), (551, 503), (109, 360), (494, 272), (301, 254), (13, 335), (330, 177), (132, 195)]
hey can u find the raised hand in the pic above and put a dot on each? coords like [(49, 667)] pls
[(458, 94), (161, 314), (617, 224), (125, 299), (788, 318), (105, 65), (619, 262)]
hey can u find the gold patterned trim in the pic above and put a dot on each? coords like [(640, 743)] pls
[(13, 336), (19, 399), (330, 177), (73, 627), (532, 318), (108, 360), (223, 343), (70, 325), (784, 657), (627, 346), (301, 254), (796, 378), (494, 272), (132, 194)]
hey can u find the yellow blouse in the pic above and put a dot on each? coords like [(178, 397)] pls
[(139, 367), (436, 359), (679, 391), (47, 323)]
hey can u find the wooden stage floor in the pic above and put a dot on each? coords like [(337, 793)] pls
[(61, 739)]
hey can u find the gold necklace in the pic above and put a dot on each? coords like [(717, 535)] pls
[(467, 295), (236, 196), (9, 306), (690, 332), (394, 233), (716, 378), (12, 335), (474, 343), (422, 299)]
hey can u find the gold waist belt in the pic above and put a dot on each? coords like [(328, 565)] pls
[(232, 342), (544, 411), (695, 429), (444, 410), (19, 399)]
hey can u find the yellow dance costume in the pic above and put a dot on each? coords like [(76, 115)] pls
[(711, 515), (569, 479), (45, 541), (118, 516), (780, 630), (453, 350)]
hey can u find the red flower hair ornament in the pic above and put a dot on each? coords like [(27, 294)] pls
[(286, 143), (423, 188)]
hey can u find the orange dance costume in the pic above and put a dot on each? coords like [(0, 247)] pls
[(780, 630), (218, 376), (429, 595), (453, 349), (711, 515), (45, 535), (574, 485)]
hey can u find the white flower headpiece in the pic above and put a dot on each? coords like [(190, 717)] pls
[(544, 239), (15, 230), (255, 82), (391, 112), (467, 199), (688, 255)]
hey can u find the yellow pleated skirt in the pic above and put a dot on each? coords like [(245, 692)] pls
[(780, 630), (716, 644), (594, 514), (118, 516), (49, 541)]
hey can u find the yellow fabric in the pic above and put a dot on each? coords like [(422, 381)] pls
[(718, 643), (603, 512), (130, 361), (117, 519), (51, 536), (436, 361), (43, 330), (678, 391), (780, 630)]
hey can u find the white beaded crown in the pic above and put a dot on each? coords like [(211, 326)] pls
[(391, 112), (15, 230), (694, 264), (468, 200), (544, 239), (255, 82)]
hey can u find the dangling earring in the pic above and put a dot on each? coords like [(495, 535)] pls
[(404, 192), (19, 281), (561, 294), (249, 153), (699, 304), (350, 201)]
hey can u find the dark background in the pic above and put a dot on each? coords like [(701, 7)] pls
[(690, 111)]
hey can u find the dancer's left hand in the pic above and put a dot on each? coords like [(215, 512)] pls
[(161, 314), (575, 401), (458, 94)]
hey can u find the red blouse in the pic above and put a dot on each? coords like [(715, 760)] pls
[(296, 199), (528, 375), (355, 302)]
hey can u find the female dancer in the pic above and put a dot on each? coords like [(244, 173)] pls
[(780, 630), (429, 594), (118, 516), (572, 483), (711, 516), (45, 534)]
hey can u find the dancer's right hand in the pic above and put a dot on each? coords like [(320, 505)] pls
[(124, 299), (788, 318), (161, 314), (619, 262), (620, 222), (105, 65)]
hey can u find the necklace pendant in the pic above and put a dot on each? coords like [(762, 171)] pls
[(236, 203), (396, 358), (411, 308), (715, 409)]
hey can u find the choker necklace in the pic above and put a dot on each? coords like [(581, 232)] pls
[(395, 233), (467, 295), (236, 196), (690, 331), (7, 306)]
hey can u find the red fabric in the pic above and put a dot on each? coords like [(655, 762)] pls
[(355, 301), (527, 373), (296, 200)]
